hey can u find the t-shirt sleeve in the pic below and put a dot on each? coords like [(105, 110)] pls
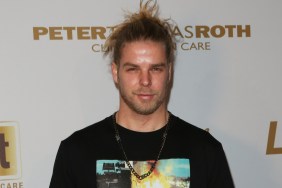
[(61, 177), (218, 169)]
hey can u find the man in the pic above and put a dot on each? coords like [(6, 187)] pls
[(142, 144)]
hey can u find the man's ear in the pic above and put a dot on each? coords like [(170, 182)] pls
[(114, 67)]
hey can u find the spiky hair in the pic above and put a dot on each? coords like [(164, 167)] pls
[(142, 25)]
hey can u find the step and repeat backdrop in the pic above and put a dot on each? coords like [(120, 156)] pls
[(54, 80)]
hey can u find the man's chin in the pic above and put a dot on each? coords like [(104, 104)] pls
[(145, 111)]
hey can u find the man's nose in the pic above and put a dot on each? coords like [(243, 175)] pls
[(145, 79)]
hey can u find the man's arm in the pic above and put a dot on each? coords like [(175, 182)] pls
[(219, 172), (61, 177)]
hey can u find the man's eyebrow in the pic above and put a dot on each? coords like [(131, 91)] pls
[(159, 65), (128, 64)]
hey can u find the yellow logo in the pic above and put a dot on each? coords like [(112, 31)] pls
[(10, 167), (190, 37), (270, 150)]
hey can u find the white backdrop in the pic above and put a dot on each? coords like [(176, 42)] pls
[(52, 88)]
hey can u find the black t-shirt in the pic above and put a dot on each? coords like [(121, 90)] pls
[(92, 158)]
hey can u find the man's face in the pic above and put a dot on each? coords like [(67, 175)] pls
[(142, 77)]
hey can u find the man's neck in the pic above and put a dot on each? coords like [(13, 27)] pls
[(142, 123)]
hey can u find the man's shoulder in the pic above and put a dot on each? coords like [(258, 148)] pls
[(194, 134), (92, 132), (187, 127)]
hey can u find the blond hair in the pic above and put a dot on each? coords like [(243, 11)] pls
[(142, 25)]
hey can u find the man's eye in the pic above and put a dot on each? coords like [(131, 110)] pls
[(131, 69), (157, 69)]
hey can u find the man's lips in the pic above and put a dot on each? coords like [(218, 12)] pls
[(145, 96)]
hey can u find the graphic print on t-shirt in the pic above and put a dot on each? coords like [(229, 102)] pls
[(169, 173)]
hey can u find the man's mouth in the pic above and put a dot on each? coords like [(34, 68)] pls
[(145, 96)]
